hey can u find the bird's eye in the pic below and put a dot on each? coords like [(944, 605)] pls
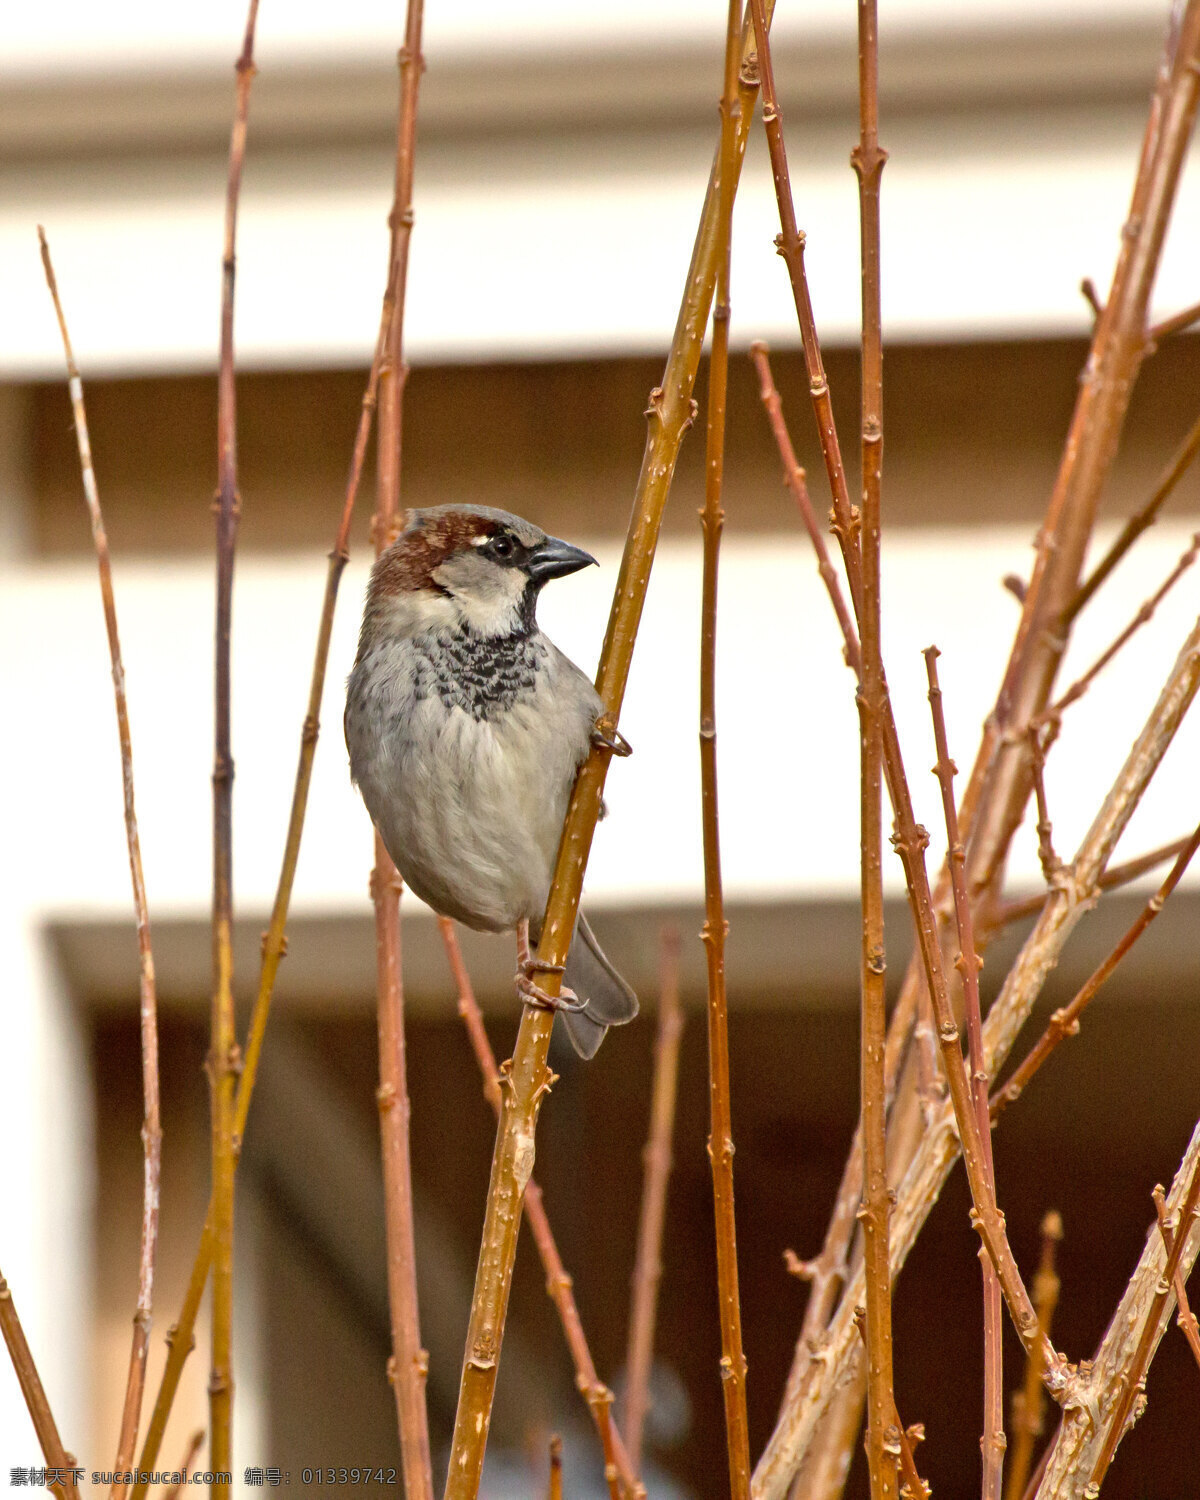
[(502, 546)]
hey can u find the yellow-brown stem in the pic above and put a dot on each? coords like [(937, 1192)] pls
[(223, 1059), (647, 1265), (408, 1365), (669, 414), (558, 1282)]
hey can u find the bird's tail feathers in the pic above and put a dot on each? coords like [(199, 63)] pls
[(610, 1001)]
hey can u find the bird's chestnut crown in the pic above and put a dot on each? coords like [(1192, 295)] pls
[(472, 567)]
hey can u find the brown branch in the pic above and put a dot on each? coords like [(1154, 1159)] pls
[(1047, 858), (1115, 1395), (1187, 1318), (1177, 323), (223, 1060), (994, 801), (180, 1340), (647, 1267), (1087, 289), (905, 1438), (558, 1282), (1119, 875), (813, 1390), (910, 839), (44, 1425), (868, 160), (147, 993), (1143, 519), (790, 244), (968, 964), (409, 1363), (796, 482), (1065, 1021), (1143, 616), (1029, 1403), (720, 1140), (1001, 777), (670, 414), (189, 1458)]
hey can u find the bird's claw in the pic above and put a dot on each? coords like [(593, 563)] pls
[(611, 740), (533, 994)]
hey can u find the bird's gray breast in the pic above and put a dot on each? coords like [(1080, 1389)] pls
[(465, 749)]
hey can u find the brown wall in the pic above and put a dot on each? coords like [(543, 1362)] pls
[(973, 433)]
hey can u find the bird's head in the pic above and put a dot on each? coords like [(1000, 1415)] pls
[(465, 566)]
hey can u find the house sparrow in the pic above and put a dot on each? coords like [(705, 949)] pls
[(466, 726)]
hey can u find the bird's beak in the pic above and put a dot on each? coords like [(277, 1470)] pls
[(555, 559)]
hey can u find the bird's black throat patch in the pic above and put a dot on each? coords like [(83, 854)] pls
[(483, 675)]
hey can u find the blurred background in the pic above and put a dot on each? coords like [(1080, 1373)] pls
[(562, 158)]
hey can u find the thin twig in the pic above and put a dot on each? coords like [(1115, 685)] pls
[(913, 1486), (968, 964), (1065, 1021), (670, 413), (1176, 323), (558, 1282), (180, 1340), (1047, 858), (647, 1265), (790, 244), (223, 1059), (1087, 289), (868, 160), (30, 1381), (1119, 875), (1144, 518), (1187, 1318), (189, 1458), (409, 1363), (720, 1140), (1143, 616), (796, 482), (1029, 1403), (147, 994)]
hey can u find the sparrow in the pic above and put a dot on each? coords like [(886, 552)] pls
[(466, 726)]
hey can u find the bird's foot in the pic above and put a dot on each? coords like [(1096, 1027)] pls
[(533, 994), (529, 964), (611, 740)]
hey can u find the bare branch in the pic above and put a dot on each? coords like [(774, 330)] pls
[(670, 413), (558, 1282), (720, 1140), (968, 963), (223, 1059), (409, 1363), (1186, 1318), (647, 1268), (1029, 1403), (1083, 1449), (180, 1340), (135, 1380), (1065, 1022), (32, 1389)]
